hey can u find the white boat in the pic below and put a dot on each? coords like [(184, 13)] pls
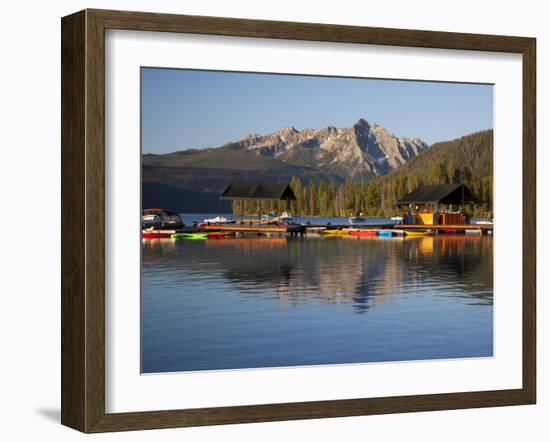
[(481, 221), (270, 217), (216, 220), (285, 218)]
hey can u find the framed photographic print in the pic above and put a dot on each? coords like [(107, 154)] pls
[(268, 220)]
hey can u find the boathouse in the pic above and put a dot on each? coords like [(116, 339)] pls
[(434, 204), (259, 197)]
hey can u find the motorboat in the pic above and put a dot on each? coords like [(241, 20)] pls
[(216, 220), (269, 218), (285, 218), (157, 218)]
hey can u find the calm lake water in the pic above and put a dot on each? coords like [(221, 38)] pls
[(269, 302)]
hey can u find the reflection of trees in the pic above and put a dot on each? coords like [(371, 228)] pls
[(363, 273), (463, 264)]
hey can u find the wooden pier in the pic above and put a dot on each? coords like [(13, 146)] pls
[(299, 229), (442, 228), (292, 229)]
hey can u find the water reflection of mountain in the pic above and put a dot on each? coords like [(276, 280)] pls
[(363, 273)]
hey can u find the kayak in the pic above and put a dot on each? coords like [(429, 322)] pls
[(219, 234), (179, 235), (384, 233), (395, 232), (418, 233), (334, 232), (155, 235), (369, 232), (198, 235)]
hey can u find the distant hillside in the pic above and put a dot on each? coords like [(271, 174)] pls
[(192, 180), (472, 152), (468, 159)]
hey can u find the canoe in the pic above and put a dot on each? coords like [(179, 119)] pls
[(418, 233)]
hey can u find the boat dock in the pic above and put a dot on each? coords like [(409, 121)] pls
[(292, 229), (484, 229), (301, 230)]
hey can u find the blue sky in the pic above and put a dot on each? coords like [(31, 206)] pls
[(183, 109)]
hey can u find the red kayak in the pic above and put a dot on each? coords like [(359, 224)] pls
[(363, 233), (155, 235), (216, 235)]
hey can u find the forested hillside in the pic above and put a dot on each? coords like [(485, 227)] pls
[(468, 160)]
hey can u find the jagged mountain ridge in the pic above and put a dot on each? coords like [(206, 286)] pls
[(359, 152)]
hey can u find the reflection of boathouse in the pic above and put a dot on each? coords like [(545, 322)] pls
[(438, 204), (252, 197)]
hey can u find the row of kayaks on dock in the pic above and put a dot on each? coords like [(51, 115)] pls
[(384, 233), (202, 235), (354, 232), (184, 235)]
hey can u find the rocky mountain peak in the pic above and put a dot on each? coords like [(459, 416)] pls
[(289, 129), (357, 152), (362, 124)]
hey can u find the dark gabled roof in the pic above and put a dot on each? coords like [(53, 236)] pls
[(441, 194), (242, 190)]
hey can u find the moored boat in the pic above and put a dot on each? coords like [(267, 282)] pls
[(151, 234), (363, 232), (335, 232), (285, 218), (160, 218), (219, 234), (451, 231), (481, 221), (269, 218), (189, 235), (216, 220), (418, 232)]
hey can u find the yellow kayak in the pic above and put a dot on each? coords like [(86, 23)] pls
[(418, 233), (334, 232)]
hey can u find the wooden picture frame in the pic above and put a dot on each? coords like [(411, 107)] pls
[(83, 220)]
